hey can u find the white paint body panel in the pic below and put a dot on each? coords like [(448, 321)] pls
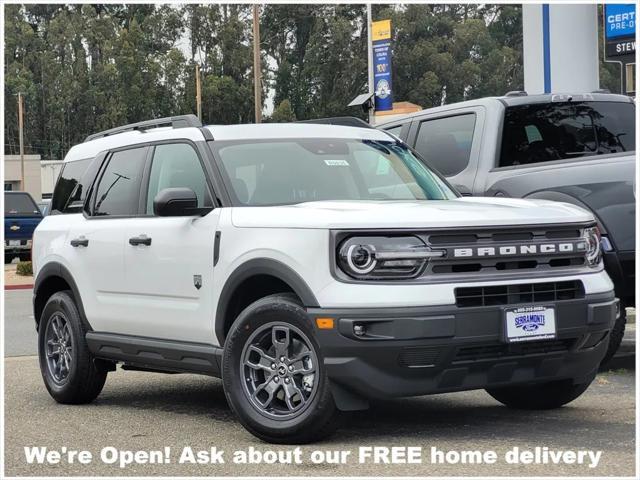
[(462, 212)]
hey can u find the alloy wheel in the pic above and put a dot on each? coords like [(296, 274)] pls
[(279, 366), (59, 347)]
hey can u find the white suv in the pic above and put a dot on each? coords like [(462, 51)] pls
[(312, 267)]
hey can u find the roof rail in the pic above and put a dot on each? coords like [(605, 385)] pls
[(180, 121), (344, 121), (516, 93), (601, 90)]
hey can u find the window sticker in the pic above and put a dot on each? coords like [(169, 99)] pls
[(336, 163)]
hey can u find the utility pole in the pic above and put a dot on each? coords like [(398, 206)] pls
[(198, 93), (370, 60), (257, 88), (21, 137)]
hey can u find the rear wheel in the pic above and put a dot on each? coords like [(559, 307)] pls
[(273, 374), (8, 258), (68, 368), (542, 396), (25, 257)]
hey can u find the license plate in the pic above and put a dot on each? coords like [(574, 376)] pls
[(14, 243), (525, 324)]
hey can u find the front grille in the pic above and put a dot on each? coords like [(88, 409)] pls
[(496, 238), (494, 351), (517, 294)]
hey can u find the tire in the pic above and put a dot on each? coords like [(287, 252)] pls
[(25, 257), (542, 396), (256, 391), (616, 335), (8, 258), (74, 379)]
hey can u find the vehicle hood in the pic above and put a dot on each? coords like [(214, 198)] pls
[(461, 212)]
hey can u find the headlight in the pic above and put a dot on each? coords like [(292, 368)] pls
[(593, 250), (380, 257)]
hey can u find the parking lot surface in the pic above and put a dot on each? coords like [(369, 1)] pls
[(149, 411)]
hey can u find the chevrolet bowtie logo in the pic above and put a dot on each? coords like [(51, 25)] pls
[(14, 228)]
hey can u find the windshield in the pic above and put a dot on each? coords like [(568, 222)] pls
[(289, 171), (557, 131), (19, 205)]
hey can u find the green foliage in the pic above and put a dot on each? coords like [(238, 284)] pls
[(90, 67), (24, 269), (283, 113)]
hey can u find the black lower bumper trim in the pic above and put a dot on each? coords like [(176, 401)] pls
[(416, 351)]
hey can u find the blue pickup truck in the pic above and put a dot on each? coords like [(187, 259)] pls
[(21, 217)]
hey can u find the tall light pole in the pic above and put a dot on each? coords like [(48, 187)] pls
[(257, 88), (370, 59), (198, 93), (21, 139)]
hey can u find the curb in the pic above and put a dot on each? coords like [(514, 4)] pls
[(18, 287)]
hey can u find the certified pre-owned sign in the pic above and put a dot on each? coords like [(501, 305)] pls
[(619, 29)]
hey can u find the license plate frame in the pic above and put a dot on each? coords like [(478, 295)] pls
[(529, 323)]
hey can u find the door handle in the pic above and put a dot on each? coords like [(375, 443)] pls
[(141, 240), (80, 242)]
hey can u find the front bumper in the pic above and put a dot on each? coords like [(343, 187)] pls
[(416, 351)]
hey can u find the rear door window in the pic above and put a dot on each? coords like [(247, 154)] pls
[(118, 191), (557, 131), (446, 142), (20, 205), (71, 188)]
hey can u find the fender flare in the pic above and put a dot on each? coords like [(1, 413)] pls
[(260, 266), (56, 269)]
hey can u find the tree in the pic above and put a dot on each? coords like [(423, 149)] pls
[(86, 68), (283, 113)]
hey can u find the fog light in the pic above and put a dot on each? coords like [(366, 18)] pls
[(359, 330)]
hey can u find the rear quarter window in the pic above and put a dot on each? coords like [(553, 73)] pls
[(546, 132), (71, 189), (20, 205)]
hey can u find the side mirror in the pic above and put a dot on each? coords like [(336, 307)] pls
[(175, 202)]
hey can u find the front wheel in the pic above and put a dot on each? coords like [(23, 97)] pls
[(68, 368), (541, 396), (273, 375)]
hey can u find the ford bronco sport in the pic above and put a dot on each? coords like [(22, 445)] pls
[(312, 267)]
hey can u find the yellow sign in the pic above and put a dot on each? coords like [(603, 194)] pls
[(381, 30)]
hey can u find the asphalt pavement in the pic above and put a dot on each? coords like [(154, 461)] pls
[(147, 411), (20, 336)]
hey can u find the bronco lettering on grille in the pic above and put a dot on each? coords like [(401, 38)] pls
[(520, 250)]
